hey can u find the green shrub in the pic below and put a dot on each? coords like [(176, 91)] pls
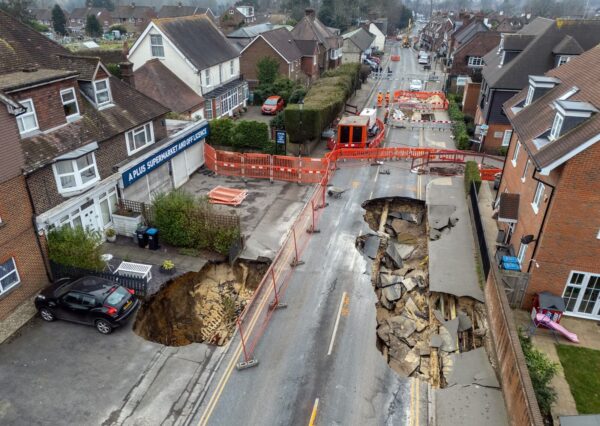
[(221, 132), (189, 223), (250, 134), (541, 371), (114, 69), (278, 122), (267, 69), (322, 103), (502, 151), (297, 95), (77, 247), (472, 175), (459, 125)]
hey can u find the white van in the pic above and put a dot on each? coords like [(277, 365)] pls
[(424, 58)]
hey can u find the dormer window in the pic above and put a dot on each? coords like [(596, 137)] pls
[(563, 59), (27, 121), (556, 126), (102, 92), (69, 101), (539, 85)]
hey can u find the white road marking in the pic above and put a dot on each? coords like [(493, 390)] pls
[(335, 327)]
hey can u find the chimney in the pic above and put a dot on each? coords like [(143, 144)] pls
[(126, 69), (179, 4), (310, 12)]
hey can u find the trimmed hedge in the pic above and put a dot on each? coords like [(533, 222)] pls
[(459, 126), (472, 175), (77, 247), (322, 104)]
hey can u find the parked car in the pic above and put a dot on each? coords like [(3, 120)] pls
[(88, 300), (374, 59), (423, 59), (273, 105), (416, 85), (373, 65)]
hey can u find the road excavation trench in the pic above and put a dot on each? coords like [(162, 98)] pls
[(418, 332), (199, 307)]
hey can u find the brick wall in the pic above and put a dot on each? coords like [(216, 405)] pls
[(11, 160), (492, 142), (42, 183), (48, 104), (470, 96), (309, 68), (478, 46), (18, 240), (254, 53)]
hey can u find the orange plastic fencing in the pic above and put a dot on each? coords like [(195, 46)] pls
[(489, 174), (395, 58)]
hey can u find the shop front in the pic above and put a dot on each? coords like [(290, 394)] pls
[(167, 167)]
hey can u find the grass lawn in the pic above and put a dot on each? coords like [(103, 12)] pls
[(582, 371)]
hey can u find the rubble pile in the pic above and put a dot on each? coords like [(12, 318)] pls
[(418, 332), (199, 306)]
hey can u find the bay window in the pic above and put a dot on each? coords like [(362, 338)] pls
[(76, 175), (139, 138)]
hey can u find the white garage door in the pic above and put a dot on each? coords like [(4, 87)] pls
[(194, 157), (180, 174)]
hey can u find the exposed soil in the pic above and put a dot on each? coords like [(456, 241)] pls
[(408, 314), (199, 306)]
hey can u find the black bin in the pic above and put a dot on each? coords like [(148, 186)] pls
[(152, 236), (141, 236)]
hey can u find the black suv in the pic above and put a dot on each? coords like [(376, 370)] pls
[(88, 300)]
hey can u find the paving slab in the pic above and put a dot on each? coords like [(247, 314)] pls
[(469, 405)]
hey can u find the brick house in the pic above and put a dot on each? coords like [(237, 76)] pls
[(540, 46), (22, 267), (356, 43), (179, 10), (467, 57), (310, 28), (549, 196), (231, 19), (309, 49), (77, 18), (87, 138), (199, 54), (277, 44), (133, 17)]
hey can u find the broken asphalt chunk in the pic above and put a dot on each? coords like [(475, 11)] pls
[(393, 292)]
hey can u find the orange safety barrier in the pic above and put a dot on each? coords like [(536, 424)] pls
[(489, 174), (229, 196), (395, 58)]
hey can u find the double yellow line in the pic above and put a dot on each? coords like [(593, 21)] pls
[(212, 403), (415, 402)]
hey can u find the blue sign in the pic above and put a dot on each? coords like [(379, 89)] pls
[(280, 137), (148, 165)]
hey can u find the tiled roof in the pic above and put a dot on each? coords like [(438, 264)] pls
[(83, 12), (198, 39), (470, 30), (181, 10), (360, 37), (282, 41), (131, 109), (568, 46), (310, 28), (537, 118), (251, 30), (158, 82), (509, 207), (307, 47), (133, 11), (41, 14), (19, 79), (537, 57), (85, 65)]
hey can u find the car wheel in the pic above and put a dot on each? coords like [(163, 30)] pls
[(103, 326), (47, 314)]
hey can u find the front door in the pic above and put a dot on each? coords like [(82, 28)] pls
[(582, 295), (89, 217), (179, 169), (194, 158)]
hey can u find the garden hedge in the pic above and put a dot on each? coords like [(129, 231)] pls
[(241, 135), (472, 175), (322, 104), (459, 127)]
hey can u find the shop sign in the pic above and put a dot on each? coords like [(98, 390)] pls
[(158, 158)]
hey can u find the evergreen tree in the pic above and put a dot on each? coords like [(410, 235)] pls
[(92, 26), (327, 13), (105, 4), (58, 20), (18, 9)]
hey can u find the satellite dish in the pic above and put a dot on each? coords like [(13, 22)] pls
[(526, 239)]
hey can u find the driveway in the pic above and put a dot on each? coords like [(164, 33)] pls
[(67, 374)]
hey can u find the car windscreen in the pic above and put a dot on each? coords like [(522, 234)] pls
[(117, 297), (271, 102)]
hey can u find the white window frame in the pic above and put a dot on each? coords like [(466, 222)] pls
[(70, 90), (522, 253), (556, 126), (529, 97), (475, 62), (107, 90), (582, 287), (13, 271), (207, 77), (20, 117), (506, 137), (76, 173), (537, 197), (144, 129), (231, 68), (524, 176), (563, 59), (516, 153), (156, 48)]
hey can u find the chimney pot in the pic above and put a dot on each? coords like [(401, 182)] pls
[(309, 12)]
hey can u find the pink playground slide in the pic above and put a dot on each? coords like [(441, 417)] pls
[(542, 319)]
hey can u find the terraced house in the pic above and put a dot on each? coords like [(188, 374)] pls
[(75, 139), (549, 196)]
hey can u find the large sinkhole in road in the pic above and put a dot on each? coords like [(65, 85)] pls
[(199, 307), (398, 253)]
